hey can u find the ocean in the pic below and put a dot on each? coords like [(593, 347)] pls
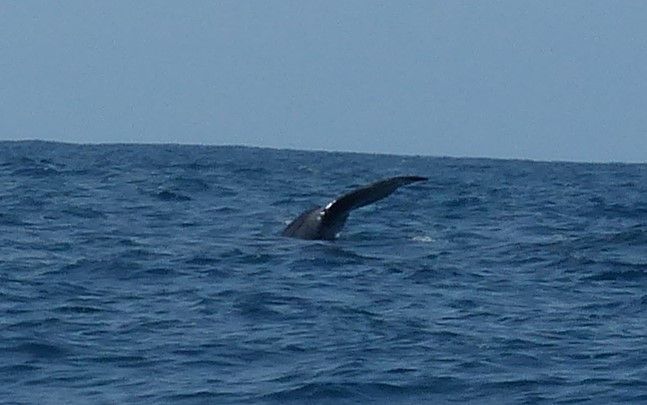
[(157, 273)]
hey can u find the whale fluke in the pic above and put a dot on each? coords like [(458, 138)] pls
[(326, 222)]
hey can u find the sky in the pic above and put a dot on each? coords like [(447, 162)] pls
[(543, 80)]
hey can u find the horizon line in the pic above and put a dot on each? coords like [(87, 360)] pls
[(315, 150)]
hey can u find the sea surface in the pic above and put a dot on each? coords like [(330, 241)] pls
[(156, 274)]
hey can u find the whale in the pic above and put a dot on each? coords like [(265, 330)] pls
[(325, 222)]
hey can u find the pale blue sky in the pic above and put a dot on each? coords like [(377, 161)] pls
[(549, 80)]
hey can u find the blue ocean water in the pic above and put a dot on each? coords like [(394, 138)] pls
[(133, 273)]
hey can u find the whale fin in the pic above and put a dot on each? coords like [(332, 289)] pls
[(326, 222), (367, 195)]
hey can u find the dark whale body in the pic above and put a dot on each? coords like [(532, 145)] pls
[(326, 222)]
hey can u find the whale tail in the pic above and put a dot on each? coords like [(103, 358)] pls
[(326, 222)]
